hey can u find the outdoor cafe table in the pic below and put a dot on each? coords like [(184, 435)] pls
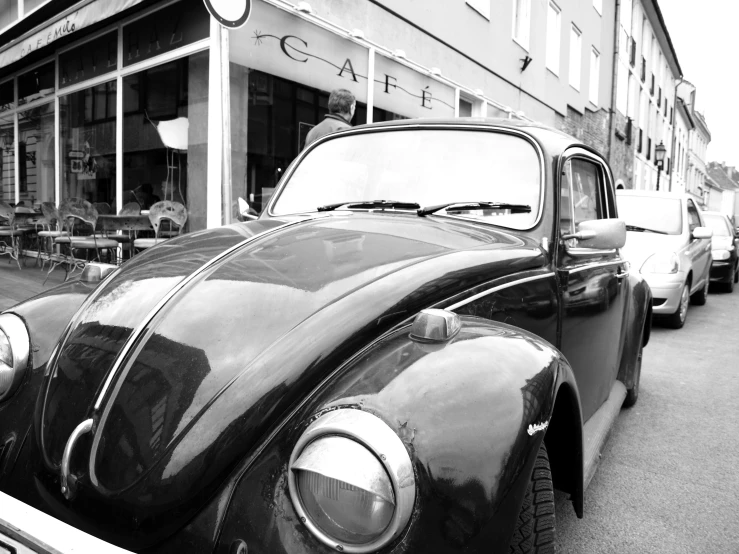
[(128, 223)]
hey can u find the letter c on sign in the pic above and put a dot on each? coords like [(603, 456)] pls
[(229, 13), (284, 45)]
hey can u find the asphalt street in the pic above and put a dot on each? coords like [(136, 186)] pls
[(668, 481)]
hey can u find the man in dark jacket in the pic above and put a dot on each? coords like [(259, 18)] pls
[(341, 106)]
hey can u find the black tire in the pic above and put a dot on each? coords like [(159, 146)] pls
[(535, 530), (729, 286), (677, 320), (632, 394), (700, 297), (736, 274)]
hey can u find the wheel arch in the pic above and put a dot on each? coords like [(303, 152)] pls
[(564, 445)]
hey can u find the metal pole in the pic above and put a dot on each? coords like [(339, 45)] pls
[(659, 170)]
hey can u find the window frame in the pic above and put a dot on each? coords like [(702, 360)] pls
[(575, 33), (554, 51), (594, 87), (523, 6)]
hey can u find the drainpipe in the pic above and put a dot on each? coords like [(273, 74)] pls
[(614, 83), (672, 141)]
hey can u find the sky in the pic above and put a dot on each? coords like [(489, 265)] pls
[(705, 35)]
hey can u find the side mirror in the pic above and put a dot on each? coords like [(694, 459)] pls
[(596, 234), (245, 211), (702, 233)]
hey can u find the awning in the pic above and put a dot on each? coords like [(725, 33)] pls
[(63, 26)]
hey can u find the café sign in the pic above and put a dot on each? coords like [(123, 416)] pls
[(84, 17)]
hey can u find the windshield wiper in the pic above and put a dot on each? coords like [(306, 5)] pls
[(371, 204), (515, 208), (643, 229)]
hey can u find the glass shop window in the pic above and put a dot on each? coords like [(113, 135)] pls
[(36, 155), (165, 136), (278, 114), (7, 96), (88, 143), (7, 159), (37, 83)]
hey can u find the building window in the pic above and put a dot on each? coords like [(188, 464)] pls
[(7, 158), (575, 56), (480, 6), (632, 56), (594, 76), (521, 22), (659, 97), (553, 37), (165, 135), (640, 143), (651, 86), (643, 69), (649, 148), (598, 5), (88, 143), (36, 154), (8, 12), (629, 129)]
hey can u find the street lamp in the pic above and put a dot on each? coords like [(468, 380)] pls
[(659, 157)]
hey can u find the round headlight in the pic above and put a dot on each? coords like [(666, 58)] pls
[(14, 350), (351, 481)]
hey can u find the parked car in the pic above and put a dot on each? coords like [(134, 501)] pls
[(725, 265), (669, 244), (386, 360)]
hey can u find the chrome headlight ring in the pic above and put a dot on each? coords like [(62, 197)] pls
[(365, 431), (15, 348)]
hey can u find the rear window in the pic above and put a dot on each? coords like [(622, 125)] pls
[(718, 224), (663, 215)]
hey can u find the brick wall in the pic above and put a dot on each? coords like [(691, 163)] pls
[(590, 127)]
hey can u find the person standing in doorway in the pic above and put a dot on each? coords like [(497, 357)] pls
[(341, 106)]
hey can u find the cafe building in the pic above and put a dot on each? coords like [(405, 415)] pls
[(132, 100)]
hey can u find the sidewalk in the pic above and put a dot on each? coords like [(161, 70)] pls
[(17, 285)]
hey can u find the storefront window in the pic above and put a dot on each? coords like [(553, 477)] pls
[(7, 159), (37, 83), (36, 155), (7, 97), (8, 12), (88, 143), (165, 136), (91, 59)]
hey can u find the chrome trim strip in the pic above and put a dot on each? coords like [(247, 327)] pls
[(483, 127), (69, 485), (593, 266), (497, 288), (381, 440)]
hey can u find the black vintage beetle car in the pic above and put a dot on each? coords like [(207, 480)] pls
[(427, 329)]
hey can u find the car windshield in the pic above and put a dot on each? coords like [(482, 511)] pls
[(428, 167), (651, 213), (718, 224)]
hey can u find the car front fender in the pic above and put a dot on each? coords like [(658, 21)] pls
[(471, 413)]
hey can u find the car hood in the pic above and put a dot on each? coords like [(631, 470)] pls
[(719, 242), (641, 245), (222, 361)]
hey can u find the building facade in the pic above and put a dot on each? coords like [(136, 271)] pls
[(646, 74), (678, 172), (116, 100)]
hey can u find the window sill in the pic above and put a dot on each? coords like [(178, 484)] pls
[(478, 12), (573, 87), (553, 72), (521, 44)]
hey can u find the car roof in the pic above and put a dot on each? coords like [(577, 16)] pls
[(549, 137)]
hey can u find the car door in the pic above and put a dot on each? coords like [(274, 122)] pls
[(593, 282), (699, 250)]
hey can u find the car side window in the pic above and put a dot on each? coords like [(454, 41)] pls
[(587, 191), (694, 219)]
